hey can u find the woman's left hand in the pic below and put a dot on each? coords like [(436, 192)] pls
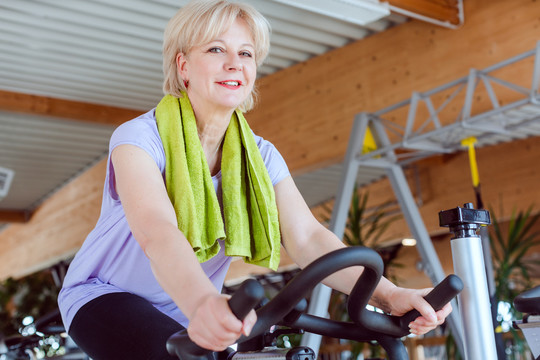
[(401, 300)]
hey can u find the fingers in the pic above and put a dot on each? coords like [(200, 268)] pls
[(421, 325), (443, 313), (427, 312), (417, 329), (249, 322), (213, 326)]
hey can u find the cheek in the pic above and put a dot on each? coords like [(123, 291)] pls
[(249, 87), (250, 73), (203, 70)]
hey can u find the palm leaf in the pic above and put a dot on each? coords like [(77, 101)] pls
[(509, 250), (498, 236)]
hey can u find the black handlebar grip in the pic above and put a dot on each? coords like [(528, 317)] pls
[(445, 291), (241, 302), (246, 298)]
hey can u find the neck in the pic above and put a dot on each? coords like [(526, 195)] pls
[(211, 133), (211, 126)]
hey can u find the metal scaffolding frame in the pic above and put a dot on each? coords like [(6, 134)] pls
[(432, 130)]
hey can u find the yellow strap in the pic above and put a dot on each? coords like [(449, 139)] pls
[(369, 142), (469, 143)]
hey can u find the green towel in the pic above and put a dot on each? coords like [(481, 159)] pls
[(250, 211)]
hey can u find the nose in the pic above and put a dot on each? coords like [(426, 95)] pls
[(233, 62)]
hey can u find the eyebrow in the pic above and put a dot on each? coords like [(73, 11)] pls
[(242, 45)]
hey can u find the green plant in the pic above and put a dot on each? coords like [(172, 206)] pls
[(512, 265), (365, 226), (452, 352), (510, 252), (32, 296)]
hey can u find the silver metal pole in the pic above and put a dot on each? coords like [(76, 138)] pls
[(474, 306)]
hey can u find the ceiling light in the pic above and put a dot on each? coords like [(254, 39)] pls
[(360, 12), (408, 242)]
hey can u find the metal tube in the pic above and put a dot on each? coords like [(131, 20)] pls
[(474, 306)]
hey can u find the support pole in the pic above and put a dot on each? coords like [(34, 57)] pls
[(474, 300), (468, 259), (486, 246)]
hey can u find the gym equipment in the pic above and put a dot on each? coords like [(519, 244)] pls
[(528, 303), (474, 305), (399, 144), (284, 310), (21, 347)]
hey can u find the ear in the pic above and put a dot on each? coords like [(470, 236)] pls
[(181, 66)]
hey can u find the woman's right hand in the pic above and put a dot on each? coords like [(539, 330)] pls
[(213, 326)]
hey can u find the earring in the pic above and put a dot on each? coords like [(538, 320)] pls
[(186, 83)]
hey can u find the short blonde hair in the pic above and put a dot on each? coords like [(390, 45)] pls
[(200, 22)]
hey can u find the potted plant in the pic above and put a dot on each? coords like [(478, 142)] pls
[(512, 266)]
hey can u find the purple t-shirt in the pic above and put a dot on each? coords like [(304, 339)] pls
[(111, 260)]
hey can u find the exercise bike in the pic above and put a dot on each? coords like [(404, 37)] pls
[(286, 309), (21, 347), (528, 303)]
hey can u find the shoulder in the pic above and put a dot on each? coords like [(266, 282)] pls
[(265, 147), (275, 163), (140, 127), (141, 132)]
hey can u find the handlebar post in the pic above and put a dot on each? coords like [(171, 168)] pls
[(468, 257), (394, 348)]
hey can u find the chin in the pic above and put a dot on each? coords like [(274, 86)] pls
[(233, 105)]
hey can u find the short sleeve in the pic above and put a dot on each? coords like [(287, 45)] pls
[(275, 164), (141, 132)]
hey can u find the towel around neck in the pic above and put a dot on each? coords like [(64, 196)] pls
[(249, 205)]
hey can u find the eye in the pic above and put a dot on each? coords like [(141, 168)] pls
[(216, 49), (246, 54)]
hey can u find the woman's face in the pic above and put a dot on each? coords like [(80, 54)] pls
[(221, 73)]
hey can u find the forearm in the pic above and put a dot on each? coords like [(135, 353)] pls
[(176, 268)]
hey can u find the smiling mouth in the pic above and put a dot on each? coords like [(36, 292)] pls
[(231, 83)]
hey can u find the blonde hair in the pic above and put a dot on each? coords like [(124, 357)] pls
[(200, 22)]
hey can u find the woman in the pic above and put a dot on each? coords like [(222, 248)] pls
[(177, 177)]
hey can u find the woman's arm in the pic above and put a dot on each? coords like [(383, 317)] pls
[(152, 220), (305, 240)]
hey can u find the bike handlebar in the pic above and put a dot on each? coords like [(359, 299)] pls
[(368, 325), (244, 299), (398, 326)]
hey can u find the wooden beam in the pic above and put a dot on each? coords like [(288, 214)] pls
[(68, 109), (442, 10), (57, 229), (14, 216)]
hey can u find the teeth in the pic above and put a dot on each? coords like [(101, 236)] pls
[(232, 83)]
